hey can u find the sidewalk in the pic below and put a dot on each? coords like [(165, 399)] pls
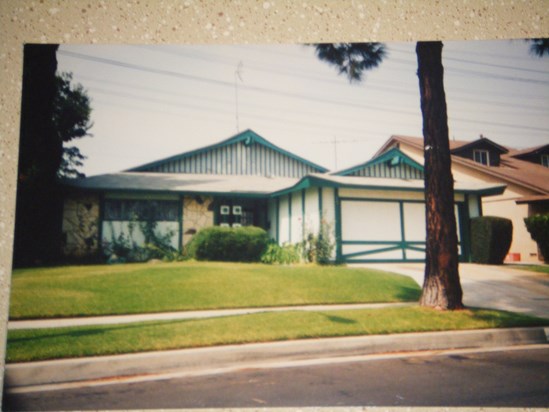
[(110, 320)]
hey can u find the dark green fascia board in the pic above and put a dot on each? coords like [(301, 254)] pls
[(305, 183), (387, 156), (248, 136), (493, 191), (171, 192), (315, 181)]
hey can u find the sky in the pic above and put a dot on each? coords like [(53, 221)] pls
[(153, 101)]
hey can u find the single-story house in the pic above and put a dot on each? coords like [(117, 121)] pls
[(525, 173), (374, 211)]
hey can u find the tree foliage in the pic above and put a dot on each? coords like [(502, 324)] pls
[(539, 47), (352, 59), (71, 119)]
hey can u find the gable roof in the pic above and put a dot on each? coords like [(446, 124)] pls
[(247, 137), (532, 151), (393, 157), (481, 142), (511, 169)]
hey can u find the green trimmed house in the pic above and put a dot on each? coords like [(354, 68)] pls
[(374, 211)]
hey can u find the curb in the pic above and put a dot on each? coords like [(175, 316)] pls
[(26, 375)]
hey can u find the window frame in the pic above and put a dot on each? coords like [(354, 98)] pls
[(478, 155)]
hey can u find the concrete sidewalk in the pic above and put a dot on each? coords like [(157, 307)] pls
[(200, 314), (51, 375)]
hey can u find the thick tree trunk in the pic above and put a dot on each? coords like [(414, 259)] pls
[(441, 287)]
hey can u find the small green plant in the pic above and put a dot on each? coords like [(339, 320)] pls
[(318, 248), (324, 244), (285, 254), (123, 248), (538, 227)]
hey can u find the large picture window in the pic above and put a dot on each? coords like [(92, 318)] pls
[(142, 210)]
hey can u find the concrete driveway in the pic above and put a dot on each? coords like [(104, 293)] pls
[(500, 287)]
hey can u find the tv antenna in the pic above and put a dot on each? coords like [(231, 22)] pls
[(237, 75)]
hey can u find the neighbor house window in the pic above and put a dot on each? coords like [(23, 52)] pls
[(545, 160), (481, 156)]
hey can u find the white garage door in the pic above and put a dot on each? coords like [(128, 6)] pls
[(380, 231)]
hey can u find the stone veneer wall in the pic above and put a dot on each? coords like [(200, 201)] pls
[(196, 215), (81, 225)]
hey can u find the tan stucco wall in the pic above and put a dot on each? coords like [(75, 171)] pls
[(80, 225), (502, 205), (196, 215)]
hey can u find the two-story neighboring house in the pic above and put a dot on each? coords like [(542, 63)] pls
[(525, 172), (374, 211)]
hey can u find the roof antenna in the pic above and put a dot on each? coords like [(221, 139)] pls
[(237, 75)]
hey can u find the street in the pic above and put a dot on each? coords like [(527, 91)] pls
[(506, 378)]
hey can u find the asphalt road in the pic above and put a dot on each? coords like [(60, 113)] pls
[(512, 378)]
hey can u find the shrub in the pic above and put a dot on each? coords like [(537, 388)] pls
[(538, 227), (319, 247), (284, 254), (490, 239), (243, 244)]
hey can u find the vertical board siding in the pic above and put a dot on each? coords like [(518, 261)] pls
[(296, 235), (283, 220), (238, 159), (402, 171)]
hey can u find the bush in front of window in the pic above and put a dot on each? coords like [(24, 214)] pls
[(226, 244), (491, 238)]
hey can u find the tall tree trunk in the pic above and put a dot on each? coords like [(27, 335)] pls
[(441, 287), (39, 204)]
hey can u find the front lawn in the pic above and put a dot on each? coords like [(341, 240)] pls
[(533, 268), (42, 344), (148, 288)]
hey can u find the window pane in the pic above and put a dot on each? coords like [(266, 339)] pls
[(126, 210)]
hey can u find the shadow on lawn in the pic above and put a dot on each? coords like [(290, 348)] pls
[(409, 294), (339, 319), (60, 333)]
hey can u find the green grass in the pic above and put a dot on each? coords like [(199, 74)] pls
[(42, 344), (533, 268), (148, 288)]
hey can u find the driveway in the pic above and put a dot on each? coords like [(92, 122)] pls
[(499, 287)]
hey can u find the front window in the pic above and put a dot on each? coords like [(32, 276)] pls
[(141, 210), (481, 156), (545, 160)]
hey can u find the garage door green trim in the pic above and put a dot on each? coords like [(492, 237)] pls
[(403, 245)]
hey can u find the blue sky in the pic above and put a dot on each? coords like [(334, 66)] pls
[(151, 102)]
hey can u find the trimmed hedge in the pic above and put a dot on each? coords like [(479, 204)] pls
[(491, 239), (243, 244), (538, 227)]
